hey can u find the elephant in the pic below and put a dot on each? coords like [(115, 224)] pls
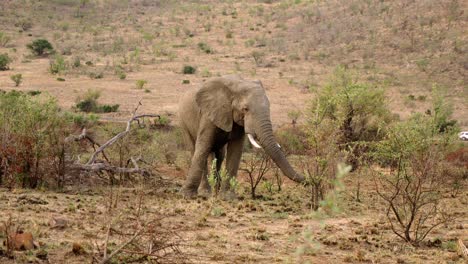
[(216, 118)]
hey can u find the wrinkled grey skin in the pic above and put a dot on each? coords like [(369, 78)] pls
[(215, 119)]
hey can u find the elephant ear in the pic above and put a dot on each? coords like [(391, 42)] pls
[(215, 101)]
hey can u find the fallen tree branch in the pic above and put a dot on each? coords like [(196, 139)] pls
[(94, 166), (117, 250), (97, 167), (462, 250), (121, 134)]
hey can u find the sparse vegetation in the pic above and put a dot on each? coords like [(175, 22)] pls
[(17, 79), (57, 65), (205, 48), (140, 84), (187, 69), (4, 39), (88, 103), (4, 61)]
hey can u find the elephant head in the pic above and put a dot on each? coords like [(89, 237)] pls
[(231, 99)]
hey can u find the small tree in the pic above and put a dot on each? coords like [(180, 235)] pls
[(294, 116), (40, 47), (321, 162), (357, 109), (17, 79), (413, 191), (256, 165)]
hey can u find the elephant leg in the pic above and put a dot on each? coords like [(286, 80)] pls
[(233, 157), (198, 166), (204, 189)]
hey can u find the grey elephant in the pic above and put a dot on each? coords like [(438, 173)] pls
[(215, 119)]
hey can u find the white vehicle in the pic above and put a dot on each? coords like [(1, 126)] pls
[(463, 135)]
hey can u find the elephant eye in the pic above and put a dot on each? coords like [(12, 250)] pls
[(245, 109)]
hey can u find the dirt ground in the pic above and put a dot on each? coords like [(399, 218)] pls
[(278, 228)]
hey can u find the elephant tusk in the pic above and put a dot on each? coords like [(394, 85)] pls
[(252, 141), (279, 146)]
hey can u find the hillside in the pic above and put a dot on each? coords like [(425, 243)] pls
[(406, 47)]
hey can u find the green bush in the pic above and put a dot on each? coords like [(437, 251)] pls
[(4, 61), (357, 109), (4, 39), (187, 69), (57, 65), (17, 78), (27, 159), (108, 108), (89, 103), (40, 47), (141, 83), (413, 191), (205, 47)]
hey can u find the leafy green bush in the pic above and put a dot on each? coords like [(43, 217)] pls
[(40, 47), (109, 108), (88, 103), (205, 47), (4, 61), (357, 109), (4, 39), (17, 78), (26, 158), (187, 69), (141, 83), (414, 191), (57, 65)]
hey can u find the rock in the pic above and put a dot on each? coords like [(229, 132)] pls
[(77, 249), (22, 241), (59, 223), (42, 254)]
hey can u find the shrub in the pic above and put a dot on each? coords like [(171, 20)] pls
[(258, 57), (4, 61), (189, 69), (109, 108), (40, 47), (27, 158), (413, 191), (88, 103), (17, 78), (57, 65), (4, 39), (294, 116), (357, 109), (76, 62), (24, 24), (205, 48), (94, 75), (141, 83), (256, 165)]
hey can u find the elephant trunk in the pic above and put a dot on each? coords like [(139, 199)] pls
[(267, 140)]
